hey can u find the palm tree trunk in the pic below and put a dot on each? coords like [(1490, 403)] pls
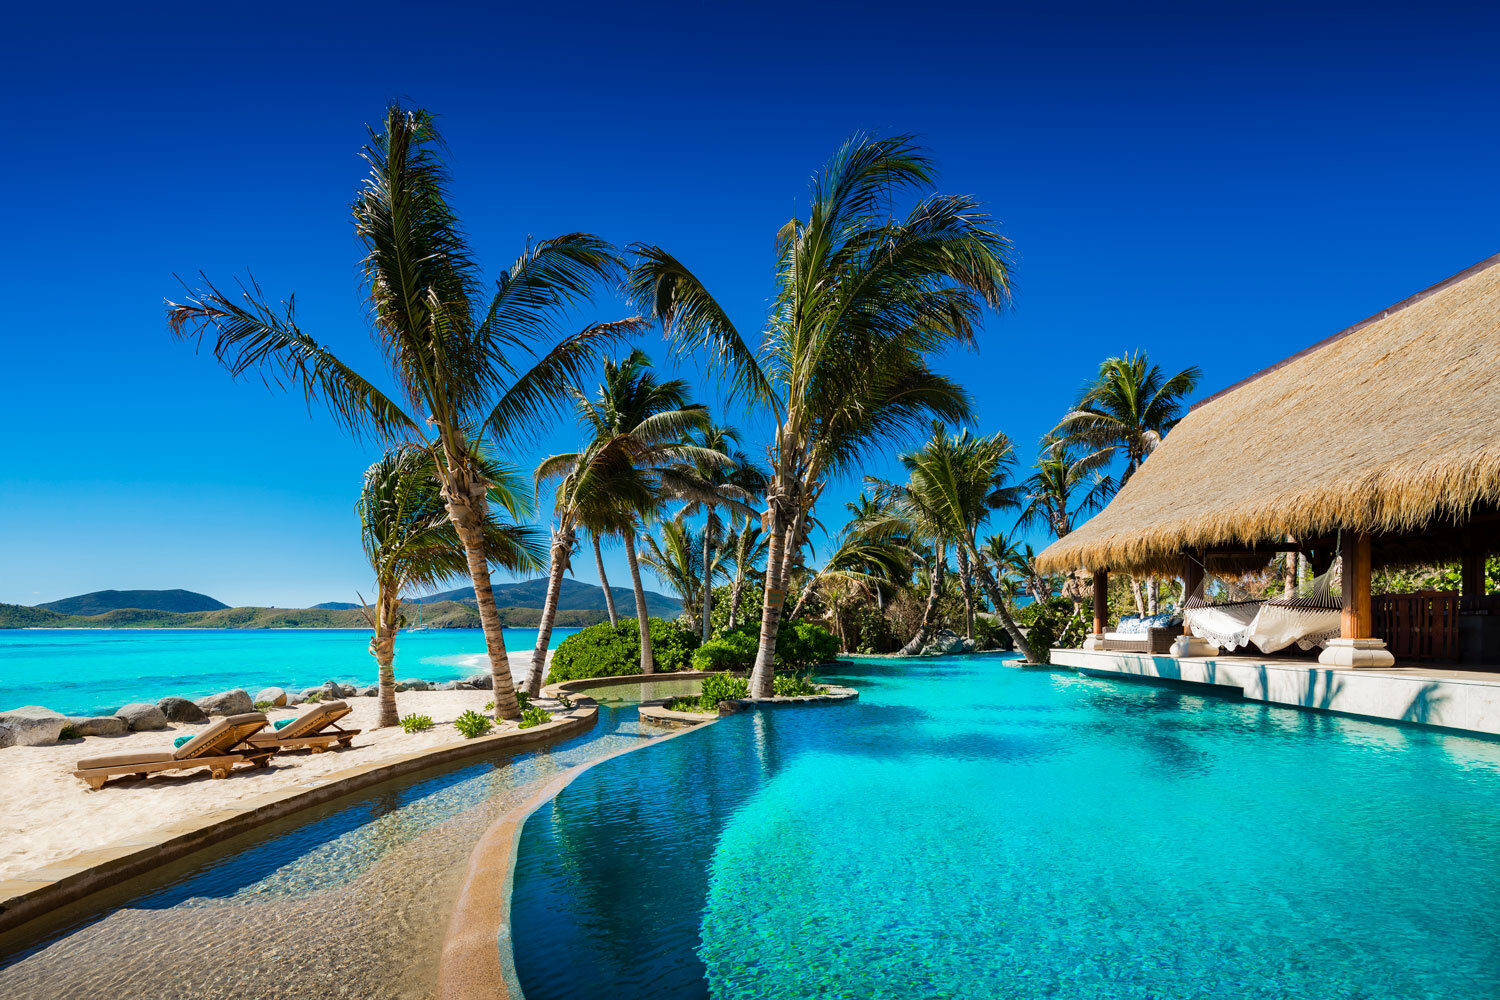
[(708, 589), (987, 580), (762, 675), (609, 597), (1135, 590), (1153, 595), (934, 592), (736, 591), (807, 591), (648, 663), (562, 548), (967, 580), (383, 648), (466, 500)]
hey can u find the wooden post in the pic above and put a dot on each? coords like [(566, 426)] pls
[(1192, 577), (1101, 601), (1471, 574), (1357, 621)]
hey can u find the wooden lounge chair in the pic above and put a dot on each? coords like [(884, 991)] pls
[(316, 730), (218, 748)]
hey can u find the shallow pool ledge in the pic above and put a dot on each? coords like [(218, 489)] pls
[(1431, 697), (35, 893)]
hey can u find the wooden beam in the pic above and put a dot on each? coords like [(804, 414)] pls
[(1192, 576), (1101, 601), (1357, 621)]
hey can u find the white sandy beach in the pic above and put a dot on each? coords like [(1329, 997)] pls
[(47, 815)]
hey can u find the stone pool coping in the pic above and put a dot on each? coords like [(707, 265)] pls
[(474, 964), (35, 893)]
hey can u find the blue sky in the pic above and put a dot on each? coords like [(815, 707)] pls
[(1215, 185)]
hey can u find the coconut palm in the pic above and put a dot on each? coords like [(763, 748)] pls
[(861, 301), (467, 365), (1065, 485), (411, 543), (1128, 408), (637, 427), (871, 555), (709, 484), (746, 549), (677, 562), (955, 481)]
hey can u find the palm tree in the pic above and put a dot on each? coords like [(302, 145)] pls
[(870, 556), (955, 482), (861, 301), (467, 365), (746, 548), (710, 483), (411, 543), (675, 560), (1059, 476), (1128, 408), (637, 426)]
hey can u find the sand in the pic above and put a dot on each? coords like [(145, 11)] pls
[(47, 815)]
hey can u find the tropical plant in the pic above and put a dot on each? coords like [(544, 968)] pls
[(1127, 409), (872, 554), (534, 715), (676, 561), (411, 543), (614, 650), (718, 688), (637, 426), (471, 724), (1065, 485), (468, 365), (954, 483), (746, 550), (861, 301), (416, 723)]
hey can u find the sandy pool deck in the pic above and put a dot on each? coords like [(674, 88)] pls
[(47, 815)]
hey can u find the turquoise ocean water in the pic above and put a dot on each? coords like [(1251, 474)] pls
[(970, 830), (85, 671)]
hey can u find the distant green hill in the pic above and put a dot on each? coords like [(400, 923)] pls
[(101, 601), (574, 595), (447, 614), (334, 606)]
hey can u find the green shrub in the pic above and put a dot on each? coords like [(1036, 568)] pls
[(685, 703), (722, 687), (69, 733), (534, 716), (734, 650), (804, 645), (793, 686), (565, 701), (315, 697), (523, 699), (417, 723), (876, 632), (990, 634), (606, 650), (472, 724), (1050, 624)]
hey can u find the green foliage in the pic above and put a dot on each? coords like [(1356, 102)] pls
[(722, 687), (472, 724), (1051, 624), (793, 686), (1444, 576), (565, 701), (315, 697), (870, 630), (685, 703), (990, 634), (523, 699), (732, 650), (800, 645), (69, 733), (417, 723), (534, 716), (264, 706), (615, 650)]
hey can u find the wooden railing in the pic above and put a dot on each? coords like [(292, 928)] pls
[(1421, 626)]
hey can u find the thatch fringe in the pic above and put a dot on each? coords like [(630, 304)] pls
[(1389, 428)]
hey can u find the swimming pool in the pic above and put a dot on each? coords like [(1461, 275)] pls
[(967, 829)]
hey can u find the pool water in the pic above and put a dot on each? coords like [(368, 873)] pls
[(967, 829)]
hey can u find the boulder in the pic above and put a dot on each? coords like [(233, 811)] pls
[(141, 716), (98, 725), (7, 738), (33, 725), (276, 696), (948, 641), (481, 682), (454, 686), (181, 710), (413, 685), (373, 691), (236, 702), (294, 699)]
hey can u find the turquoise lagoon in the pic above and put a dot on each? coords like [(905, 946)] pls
[(966, 829), (86, 671)]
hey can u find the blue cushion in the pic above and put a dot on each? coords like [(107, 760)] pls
[(179, 741), (1131, 624), (283, 723)]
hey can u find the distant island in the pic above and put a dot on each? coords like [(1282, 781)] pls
[(579, 604)]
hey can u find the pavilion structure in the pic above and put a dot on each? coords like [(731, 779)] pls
[(1378, 446)]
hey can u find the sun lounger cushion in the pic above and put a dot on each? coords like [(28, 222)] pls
[(221, 736), (125, 760), (283, 723)]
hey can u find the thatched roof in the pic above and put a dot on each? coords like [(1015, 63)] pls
[(1389, 426)]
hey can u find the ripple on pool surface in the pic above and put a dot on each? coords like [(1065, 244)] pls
[(970, 830)]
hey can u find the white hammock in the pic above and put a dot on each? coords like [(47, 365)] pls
[(1227, 626), (1308, 623)]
